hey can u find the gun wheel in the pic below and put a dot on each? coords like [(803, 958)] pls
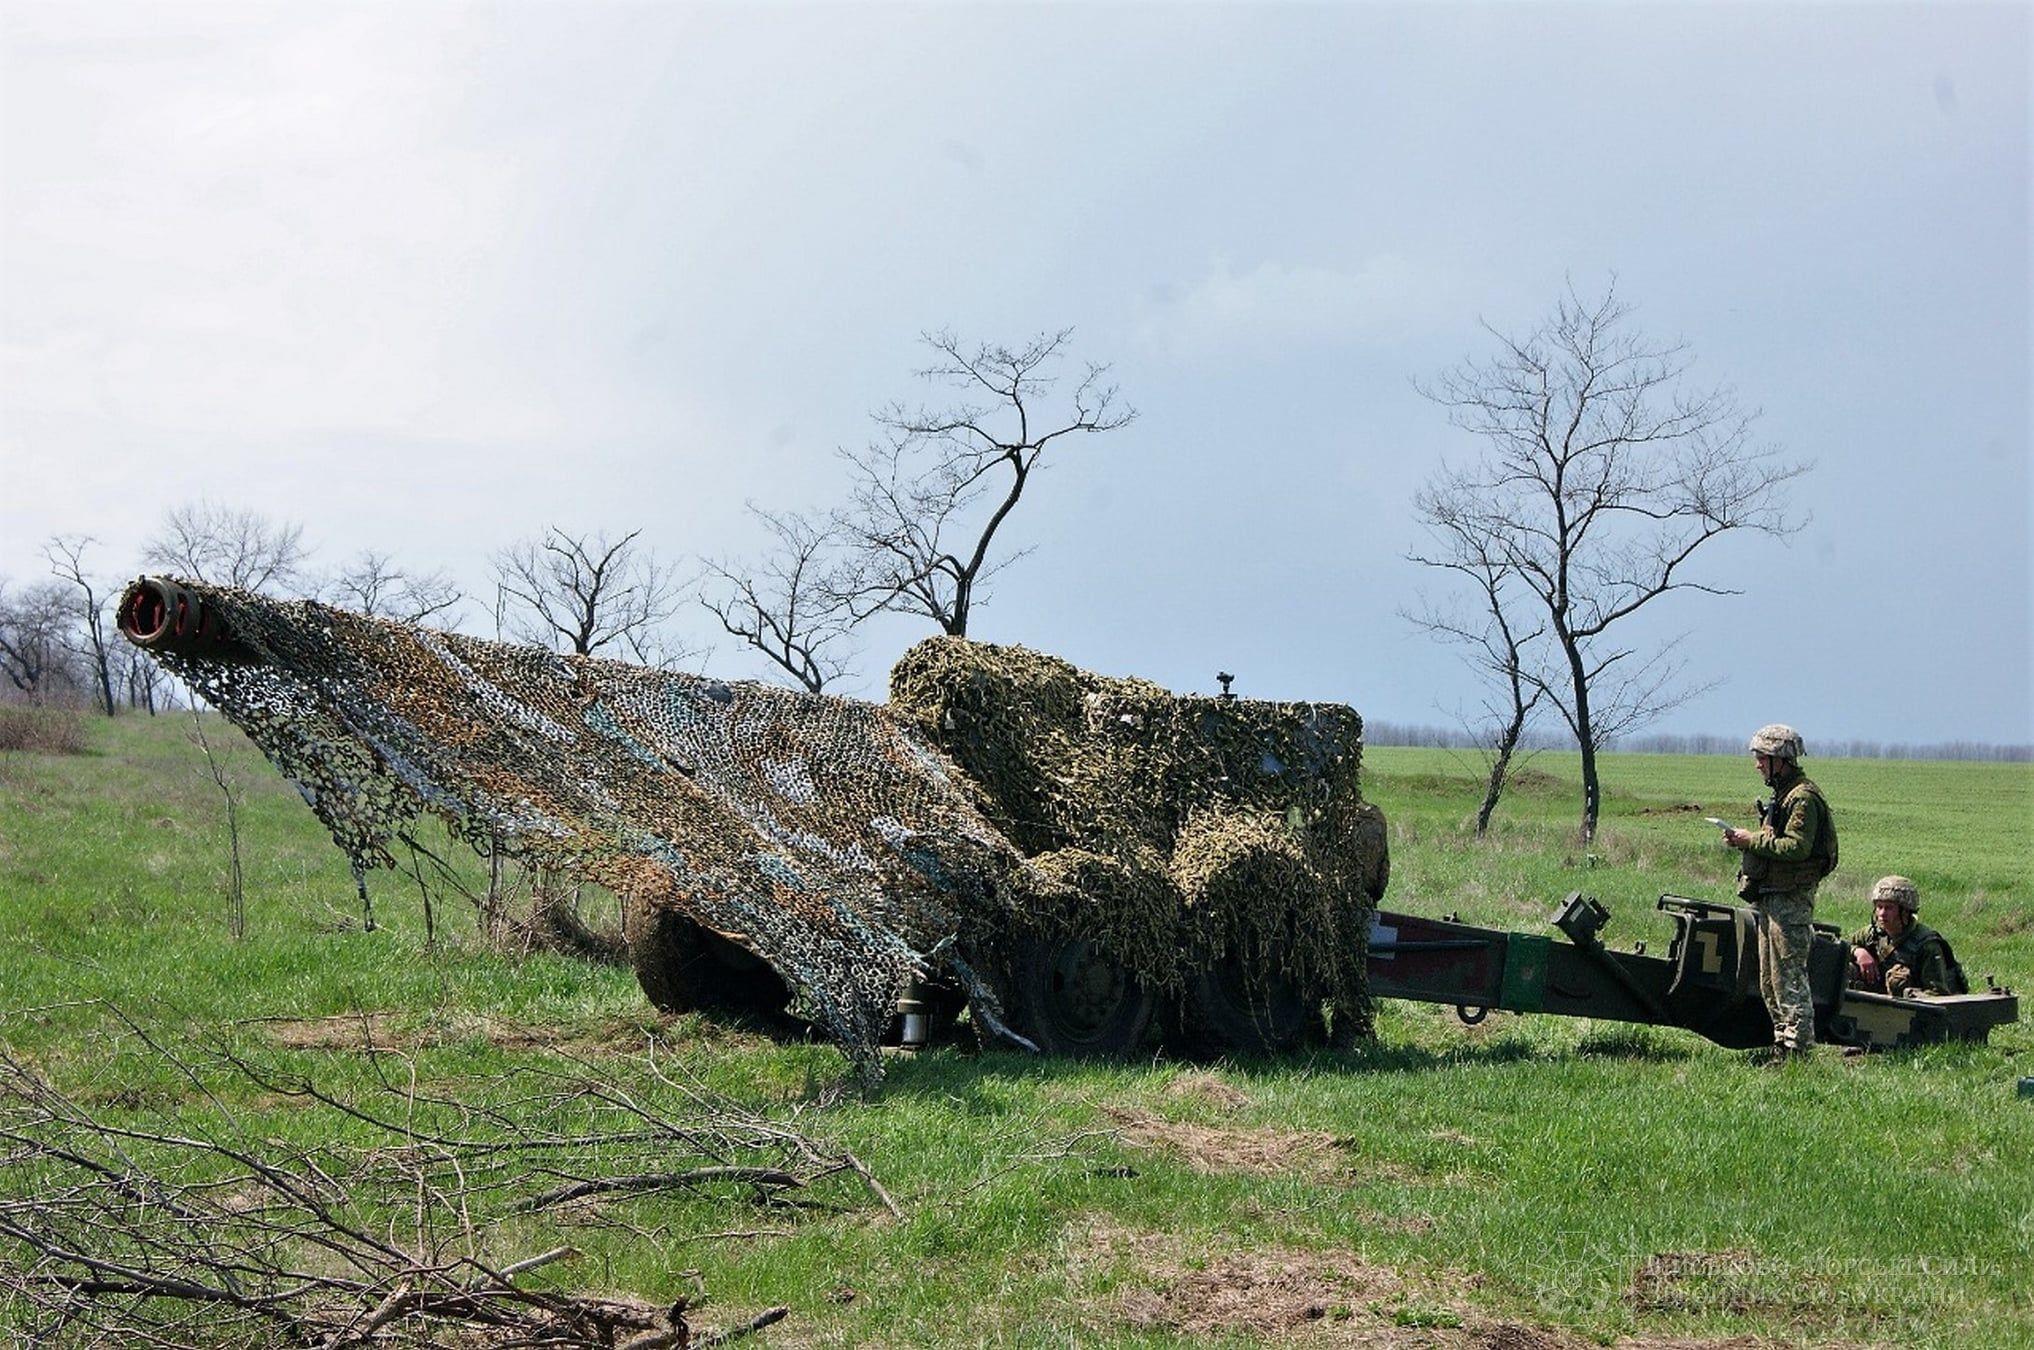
[(1230, 1009), (1072, 998), (685, 967)]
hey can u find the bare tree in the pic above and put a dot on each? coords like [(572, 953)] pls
[(37, 655), (147, 686), (931, 495), (208, 542), (66, 554), (373, 584), (1501, 648), (787, 606), (585, 593), (1603, 474)]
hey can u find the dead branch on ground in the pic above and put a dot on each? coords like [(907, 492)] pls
[(405, 1225)]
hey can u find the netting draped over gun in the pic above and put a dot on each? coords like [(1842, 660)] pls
[(1061, 851)]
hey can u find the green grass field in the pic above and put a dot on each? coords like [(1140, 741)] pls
[(1526, 1183)]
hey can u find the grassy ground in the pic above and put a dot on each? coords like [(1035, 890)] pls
[(1528, 1183)]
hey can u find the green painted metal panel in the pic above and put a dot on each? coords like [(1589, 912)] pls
[(1524, 985)]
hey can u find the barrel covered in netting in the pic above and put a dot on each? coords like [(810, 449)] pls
[(826, 833)]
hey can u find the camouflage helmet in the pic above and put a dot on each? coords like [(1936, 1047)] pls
[(1899, 891), (1778, 740)]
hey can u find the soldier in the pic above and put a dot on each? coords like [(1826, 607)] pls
[(1898, 955), (1785, 859)]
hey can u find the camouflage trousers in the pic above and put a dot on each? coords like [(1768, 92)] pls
[(1784, 939)]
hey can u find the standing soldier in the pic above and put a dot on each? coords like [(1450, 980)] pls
[(1898, 954), (1785, 859)]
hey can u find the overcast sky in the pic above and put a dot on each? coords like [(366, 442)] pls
[(427, 277)]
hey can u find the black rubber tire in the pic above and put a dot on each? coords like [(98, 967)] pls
[(1071, 998), (684, 967), (1228, 1012)]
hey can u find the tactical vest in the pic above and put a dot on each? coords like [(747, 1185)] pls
[(1912, 950), (1792, 874)]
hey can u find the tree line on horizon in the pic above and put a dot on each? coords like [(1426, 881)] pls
[(1380, 732)]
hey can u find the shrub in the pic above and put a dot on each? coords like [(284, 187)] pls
[(43, 731)]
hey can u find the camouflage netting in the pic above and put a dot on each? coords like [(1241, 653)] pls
[(1218, 827), (826, 832), (834, 839)]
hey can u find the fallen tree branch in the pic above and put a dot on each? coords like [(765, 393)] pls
[(763, 1319), (117, 1228), (763, 1178)]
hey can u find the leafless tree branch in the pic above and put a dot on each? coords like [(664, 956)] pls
[(66, 554), (229, 789), (1503, 646), (786, 605), (932, 494), (373, 584), (209, 542), (37, 655), (588, 594)]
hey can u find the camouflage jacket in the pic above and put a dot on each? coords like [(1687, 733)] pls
[(1791, 849), (1918, 960)]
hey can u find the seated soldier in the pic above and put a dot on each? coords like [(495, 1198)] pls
[(1898, 955)]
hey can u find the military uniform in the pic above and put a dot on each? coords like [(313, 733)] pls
[(1918, 961), (1783, 865)]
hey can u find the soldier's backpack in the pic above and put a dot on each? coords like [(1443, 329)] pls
[(1958, 982), (1826, 857)]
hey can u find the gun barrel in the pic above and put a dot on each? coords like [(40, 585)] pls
[(161, 615)]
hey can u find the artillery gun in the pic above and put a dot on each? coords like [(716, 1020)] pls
[(1078, 861), (1707, 982), (1083, 863)]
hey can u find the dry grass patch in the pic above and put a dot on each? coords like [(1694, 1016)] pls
[(1324, 1298), (389, 1031), (1208, 1149), (1209, 1090), (1266, 1291), (342, 1031)]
